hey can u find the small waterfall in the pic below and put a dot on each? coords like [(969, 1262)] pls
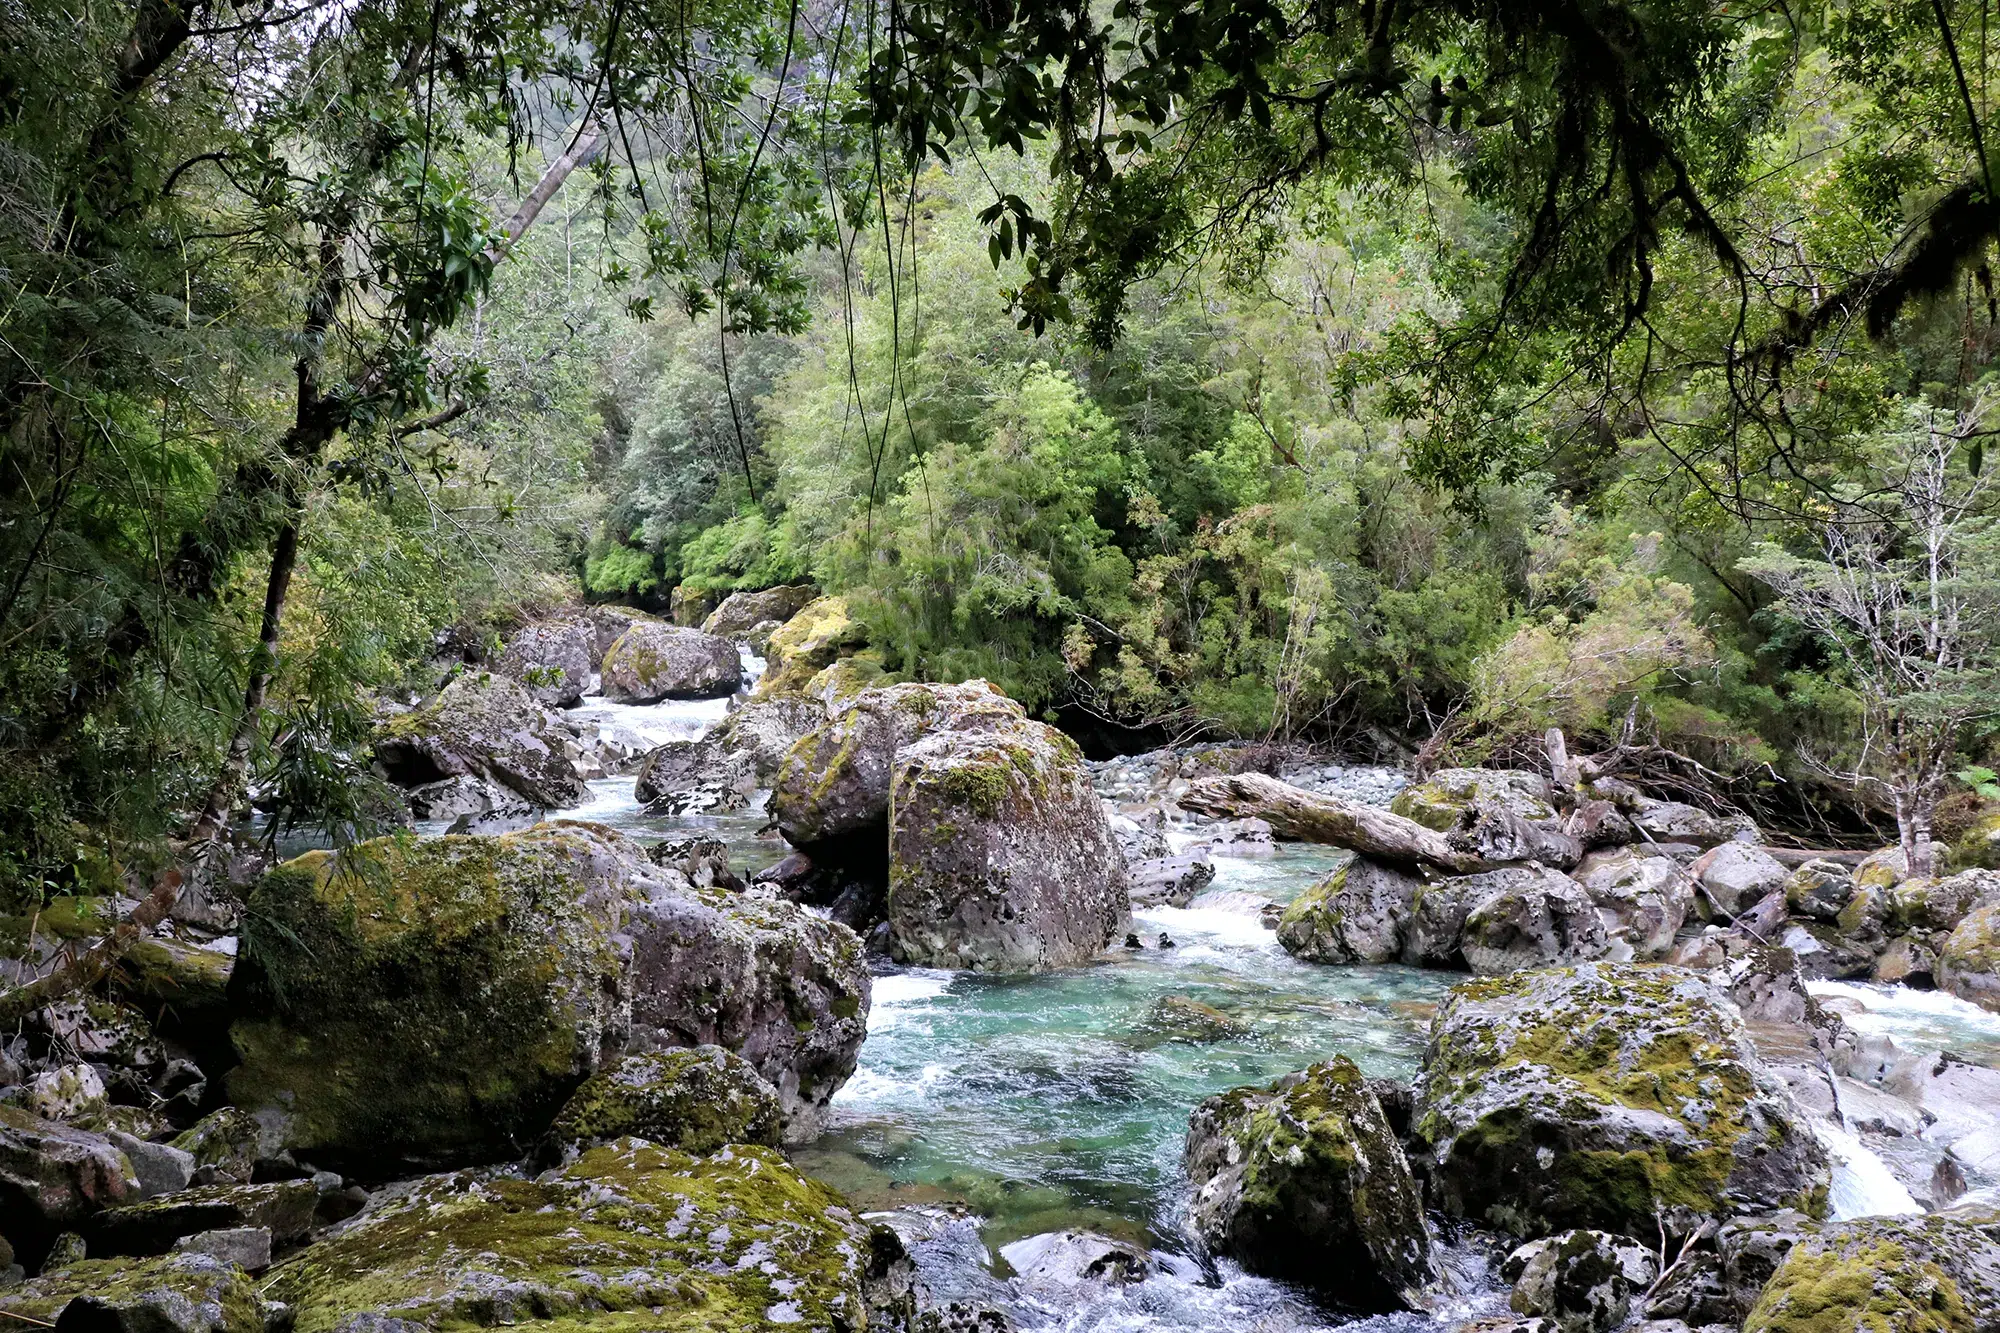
[(1862, 1185)]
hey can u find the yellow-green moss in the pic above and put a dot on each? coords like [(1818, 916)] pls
[(163, 1281), (1871, 1288)]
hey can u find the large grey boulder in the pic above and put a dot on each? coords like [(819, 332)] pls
[(1529, 916), (1676, 822), (650, 662), (1444, 800), (1938, 1272), (488, 727), (694, 777), (763, 731), (696, 1100), (555, 659), (54, 1177), (436, 1002), (1738, 875), (742, 611), (1582, 1281), (1938, 905), (1000, 854), (1643, 900), (1304, 1179), (1606, 1096), (1358, 914)]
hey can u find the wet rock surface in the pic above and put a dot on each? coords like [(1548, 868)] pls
[(651, 662), (485, 727)]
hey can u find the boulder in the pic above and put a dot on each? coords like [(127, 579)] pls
[(741, 611), (651, 662), (763, 731), (696, 1100), (1444, 799), (161, 1167), (1819, 889), (1643, 900), (689, 606), (1889, 867), (695, 777), (437, 1002), (1583, 1281), (1437, 924), (1979, 846), (1675, 822), (69, 1093), (834, 783), (784, 988), (1737, 876), (285, 1208), (612, 621), (1529, 916), (1054, 1265), (483, 726), (1908, 961), (1751, 1248), (1940, 904), (808, 642), (1000, 854), (1608, 1096), (1170, 881), (1908, 1274), (53, 1178), (1304, 1179), (248, 1248), (180, 1293), (555, 659), (1358, 914), (630, 1235), (223, 1147), (1968, 965), (449, 798)]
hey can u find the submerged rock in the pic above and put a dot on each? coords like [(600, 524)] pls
[(1178, 1018), (696, 1100), (483, 726), (631, 1235), (181, 1293), (555, 659), (1000, 855), (1358, 914), (1056, 1264), (1605, 1096), (651, 662), (1935, 1274), (1305, 1180)]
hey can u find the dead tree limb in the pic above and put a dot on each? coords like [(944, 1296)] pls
[(1305, 816)]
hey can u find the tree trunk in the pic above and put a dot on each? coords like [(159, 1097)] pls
[(1311, 817)]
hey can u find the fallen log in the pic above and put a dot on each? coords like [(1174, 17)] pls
[(1305, 816), (1798, 856)]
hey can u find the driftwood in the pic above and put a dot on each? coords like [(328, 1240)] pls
[(1305, 816)]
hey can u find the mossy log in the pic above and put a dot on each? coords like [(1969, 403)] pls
[(1305, 816)]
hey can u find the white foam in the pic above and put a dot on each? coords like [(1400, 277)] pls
[(894, 997), (1886, 1002), (872, 1086), (1231, 925), (1862, 1184)]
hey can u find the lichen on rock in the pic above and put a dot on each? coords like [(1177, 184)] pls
[(695, 1100), (486, 726), (179, 1293), (1934, 1274), (1358, 914), (650, 662)]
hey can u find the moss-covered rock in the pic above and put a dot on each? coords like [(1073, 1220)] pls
[(486, 726), (1303, 1179), (1001, 857), (186, 986), (1442, 800), (1935, 1274), (694, 777), (180, 1293), (1819, 889), (225, 1145), (763, 731), (1939, 904), (1582, 1281), (696, 1100), (53, 1178), (433, 1001), (1605, 1096), (1978, 848), (1968, 965), (741, 610), (631, 1236), (651, 662), (553, 658), (282, 1207), (1358, 914), (814, 638)]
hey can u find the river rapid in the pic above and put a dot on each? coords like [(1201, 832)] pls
[(1013, 1106)]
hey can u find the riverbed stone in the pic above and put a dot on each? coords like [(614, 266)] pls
[(285, 1208), (1819, 889), (651, 662), (1582, 1280), (1931, 1274), (1677, 822), (1169, 881), (1000, 854), (1603, 1096), (1737, 876), (1968, 965), (1435, 935), (180, 1293), (1643, 900), (742, 611), (223, 1147), (1529, 916), (815, 638), (488, 726), (1939, 904), (1179, 1018), (1304, 1179), (696, 1099), (1907, 961), (694, 777), (553, 658), (1442, 800), (763, 731), (53, 1177), (630, 1235), (1358, 914)]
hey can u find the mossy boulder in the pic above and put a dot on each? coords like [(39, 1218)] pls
[(1582, 1281), (1939, 904), (763, 731), (284, 1208), (554, 659), (1888, 867), (1978, 848), (1358, 914), (1529, 916), (1968, 965), (179, 1293), (436, 1001), (631, 1236), (816, 637), (1606, 1096), (488, 726), (1935, 1274), (1303, 1179), (651, 662), (833, 786), (740, 611), (225, 1145), (696, 1100), (1736, 876), (53, 1178), (1819, 889), (689, 605), (1001, 857), (1443, 800), (1643, 900)]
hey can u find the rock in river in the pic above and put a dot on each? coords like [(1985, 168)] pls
[(553, 658), (1304, 1179), (1935, 1274), (696, 1100), (483, 726), (1602, 1096), (1358, 914), (1969, 964), (651, 662)]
